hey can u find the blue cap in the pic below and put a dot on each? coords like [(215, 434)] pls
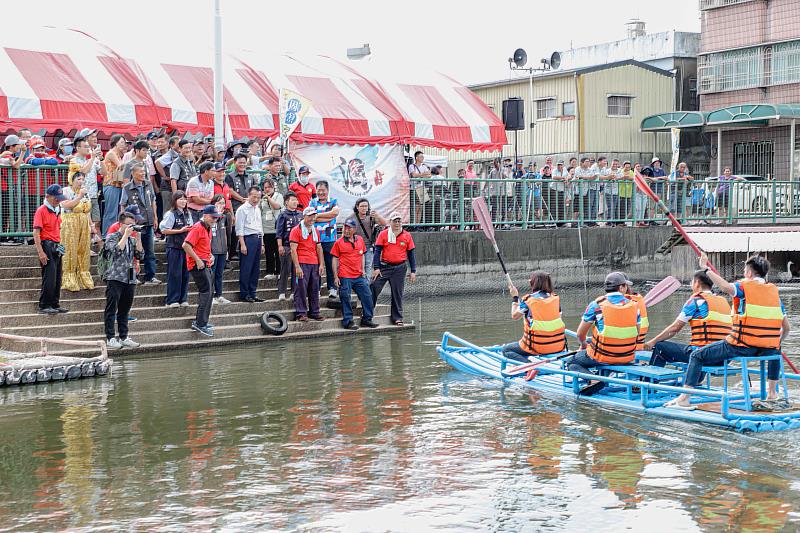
[(219, 166), (304, 170), (56, 191), (350, 222), (211, 210), (135, 212)]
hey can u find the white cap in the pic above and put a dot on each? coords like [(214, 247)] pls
[(309, 211), (394, 215)]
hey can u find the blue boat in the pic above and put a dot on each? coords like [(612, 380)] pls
[(642, 388)]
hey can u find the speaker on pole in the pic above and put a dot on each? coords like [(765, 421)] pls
[(514, 114)]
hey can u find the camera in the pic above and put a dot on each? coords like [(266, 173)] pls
[(138, 227)]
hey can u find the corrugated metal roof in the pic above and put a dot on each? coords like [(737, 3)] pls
[(758, 241)]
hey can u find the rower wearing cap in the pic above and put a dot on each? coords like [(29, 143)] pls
[(302, 188), (614, 323), (393, 247), (309, 266), (199, 261), (708, 316), (348, 267)]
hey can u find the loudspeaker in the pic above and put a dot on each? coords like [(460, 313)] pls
[(514, 114)]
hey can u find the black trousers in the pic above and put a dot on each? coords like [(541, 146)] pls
[(119, 299), (271, 258), (50, 295), (205, 284), (395, 275)]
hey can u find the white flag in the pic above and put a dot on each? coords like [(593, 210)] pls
[(676, 149), (293, 107)]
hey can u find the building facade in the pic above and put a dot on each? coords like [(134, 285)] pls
[(750, 59)]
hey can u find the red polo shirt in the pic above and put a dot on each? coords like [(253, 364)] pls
[(351, 257), (395, 253), (225, 191), (49, 223), (304, 193), (306, 248), (200, 239)]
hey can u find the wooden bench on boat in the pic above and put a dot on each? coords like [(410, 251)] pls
[(25, 360)]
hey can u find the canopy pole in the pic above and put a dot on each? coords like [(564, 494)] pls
[(219, 126), (719, 151), (791, 150), (655, 142)]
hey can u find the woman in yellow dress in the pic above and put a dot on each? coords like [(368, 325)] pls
[(76, 228)]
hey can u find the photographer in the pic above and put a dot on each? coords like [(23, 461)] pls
[(139, 192), (121, 248), (47, 238)]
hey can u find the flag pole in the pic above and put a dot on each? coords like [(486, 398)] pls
[(219, 126)]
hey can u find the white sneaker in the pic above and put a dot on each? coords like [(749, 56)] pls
[(173, 305), (281, 296), (129, 343), (184, 304), (223, 300), (270, 276), (333, 293), (113, 344), (154, 281), (216, 300)]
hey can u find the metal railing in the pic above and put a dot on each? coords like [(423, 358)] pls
[(713, 4), (525, 203), (22, 192)]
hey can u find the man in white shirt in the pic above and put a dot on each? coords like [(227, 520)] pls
[(556, 200), (250, 231), (200, 190), (586, 193)]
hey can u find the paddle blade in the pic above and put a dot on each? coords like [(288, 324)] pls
[(481, 211), (642, 185), (662, 290)]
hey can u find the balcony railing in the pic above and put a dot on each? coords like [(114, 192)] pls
[(713, 4)]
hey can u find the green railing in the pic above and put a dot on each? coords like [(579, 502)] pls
[(21, 192), (524, 203)]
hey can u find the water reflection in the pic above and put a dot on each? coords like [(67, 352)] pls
[(374, 434)]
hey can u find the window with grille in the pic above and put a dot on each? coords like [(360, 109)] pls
[(786, 63), (545, 108), (732, 70), (693, 101), (619, 106), (753, 158), (568, 109)]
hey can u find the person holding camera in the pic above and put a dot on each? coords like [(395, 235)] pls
[(47, 239), (368, 225), (199, 261), (139, 192), (122, 247)]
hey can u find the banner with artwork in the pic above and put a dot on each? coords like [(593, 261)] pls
[(376, 172)]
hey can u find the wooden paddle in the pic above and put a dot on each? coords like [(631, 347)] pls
[(481, 211), (660, 292)]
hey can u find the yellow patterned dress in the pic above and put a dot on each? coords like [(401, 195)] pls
[(76, 239)]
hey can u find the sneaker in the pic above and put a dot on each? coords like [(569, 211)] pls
[(350, 326), (132, 319), (209, 325), (281, 297), (333, 293), (113, 344), (368, 324), (216, 300), (256, 299), (60, 310), (270, 276), (127, 342), (302, 318), (223, 300), (184, 304), (173, 305), (202, 330), (154, 281), (48, 311)]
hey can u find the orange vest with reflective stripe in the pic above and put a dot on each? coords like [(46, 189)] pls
[(616, 344), (644, 322), (714, 327), (544, 332), (759, 326)]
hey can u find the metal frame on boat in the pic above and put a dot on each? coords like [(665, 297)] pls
[(37, 365), (721, 406)]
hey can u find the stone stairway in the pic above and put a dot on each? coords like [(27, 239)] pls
[(157, 327)]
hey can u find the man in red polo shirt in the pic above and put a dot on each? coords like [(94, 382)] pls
[(47, 238), (309, 265), (199, 262), (393, 247), (348, 268), (303, 189)]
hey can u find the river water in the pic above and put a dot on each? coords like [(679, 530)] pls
[(372, 434)]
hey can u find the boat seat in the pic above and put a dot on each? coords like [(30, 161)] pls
[(654, 373), (762, 372)]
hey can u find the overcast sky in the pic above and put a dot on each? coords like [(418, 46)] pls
[(468, 40)]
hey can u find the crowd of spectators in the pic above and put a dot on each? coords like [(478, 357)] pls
[(211, 210), (590, 191)]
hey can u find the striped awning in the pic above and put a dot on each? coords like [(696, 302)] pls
[(65, 79)]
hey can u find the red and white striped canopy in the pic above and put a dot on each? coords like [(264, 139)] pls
[(65, 79)]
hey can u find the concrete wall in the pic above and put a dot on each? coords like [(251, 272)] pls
[(453, 262)]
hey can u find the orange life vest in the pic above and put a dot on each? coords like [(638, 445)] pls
[(544, 331), (616, 344), (759, 326), (714, 327), (644, 322)]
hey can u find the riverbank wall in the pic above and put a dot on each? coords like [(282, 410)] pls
[(465, 262)]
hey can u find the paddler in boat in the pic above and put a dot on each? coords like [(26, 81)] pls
[(709, 319), (759, 327), (543, 329), (614, 322)]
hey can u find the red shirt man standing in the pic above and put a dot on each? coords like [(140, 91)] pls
[(393, 247), (47, 238), (199, 262), (348, 267), (303, 189), (309, 265)]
